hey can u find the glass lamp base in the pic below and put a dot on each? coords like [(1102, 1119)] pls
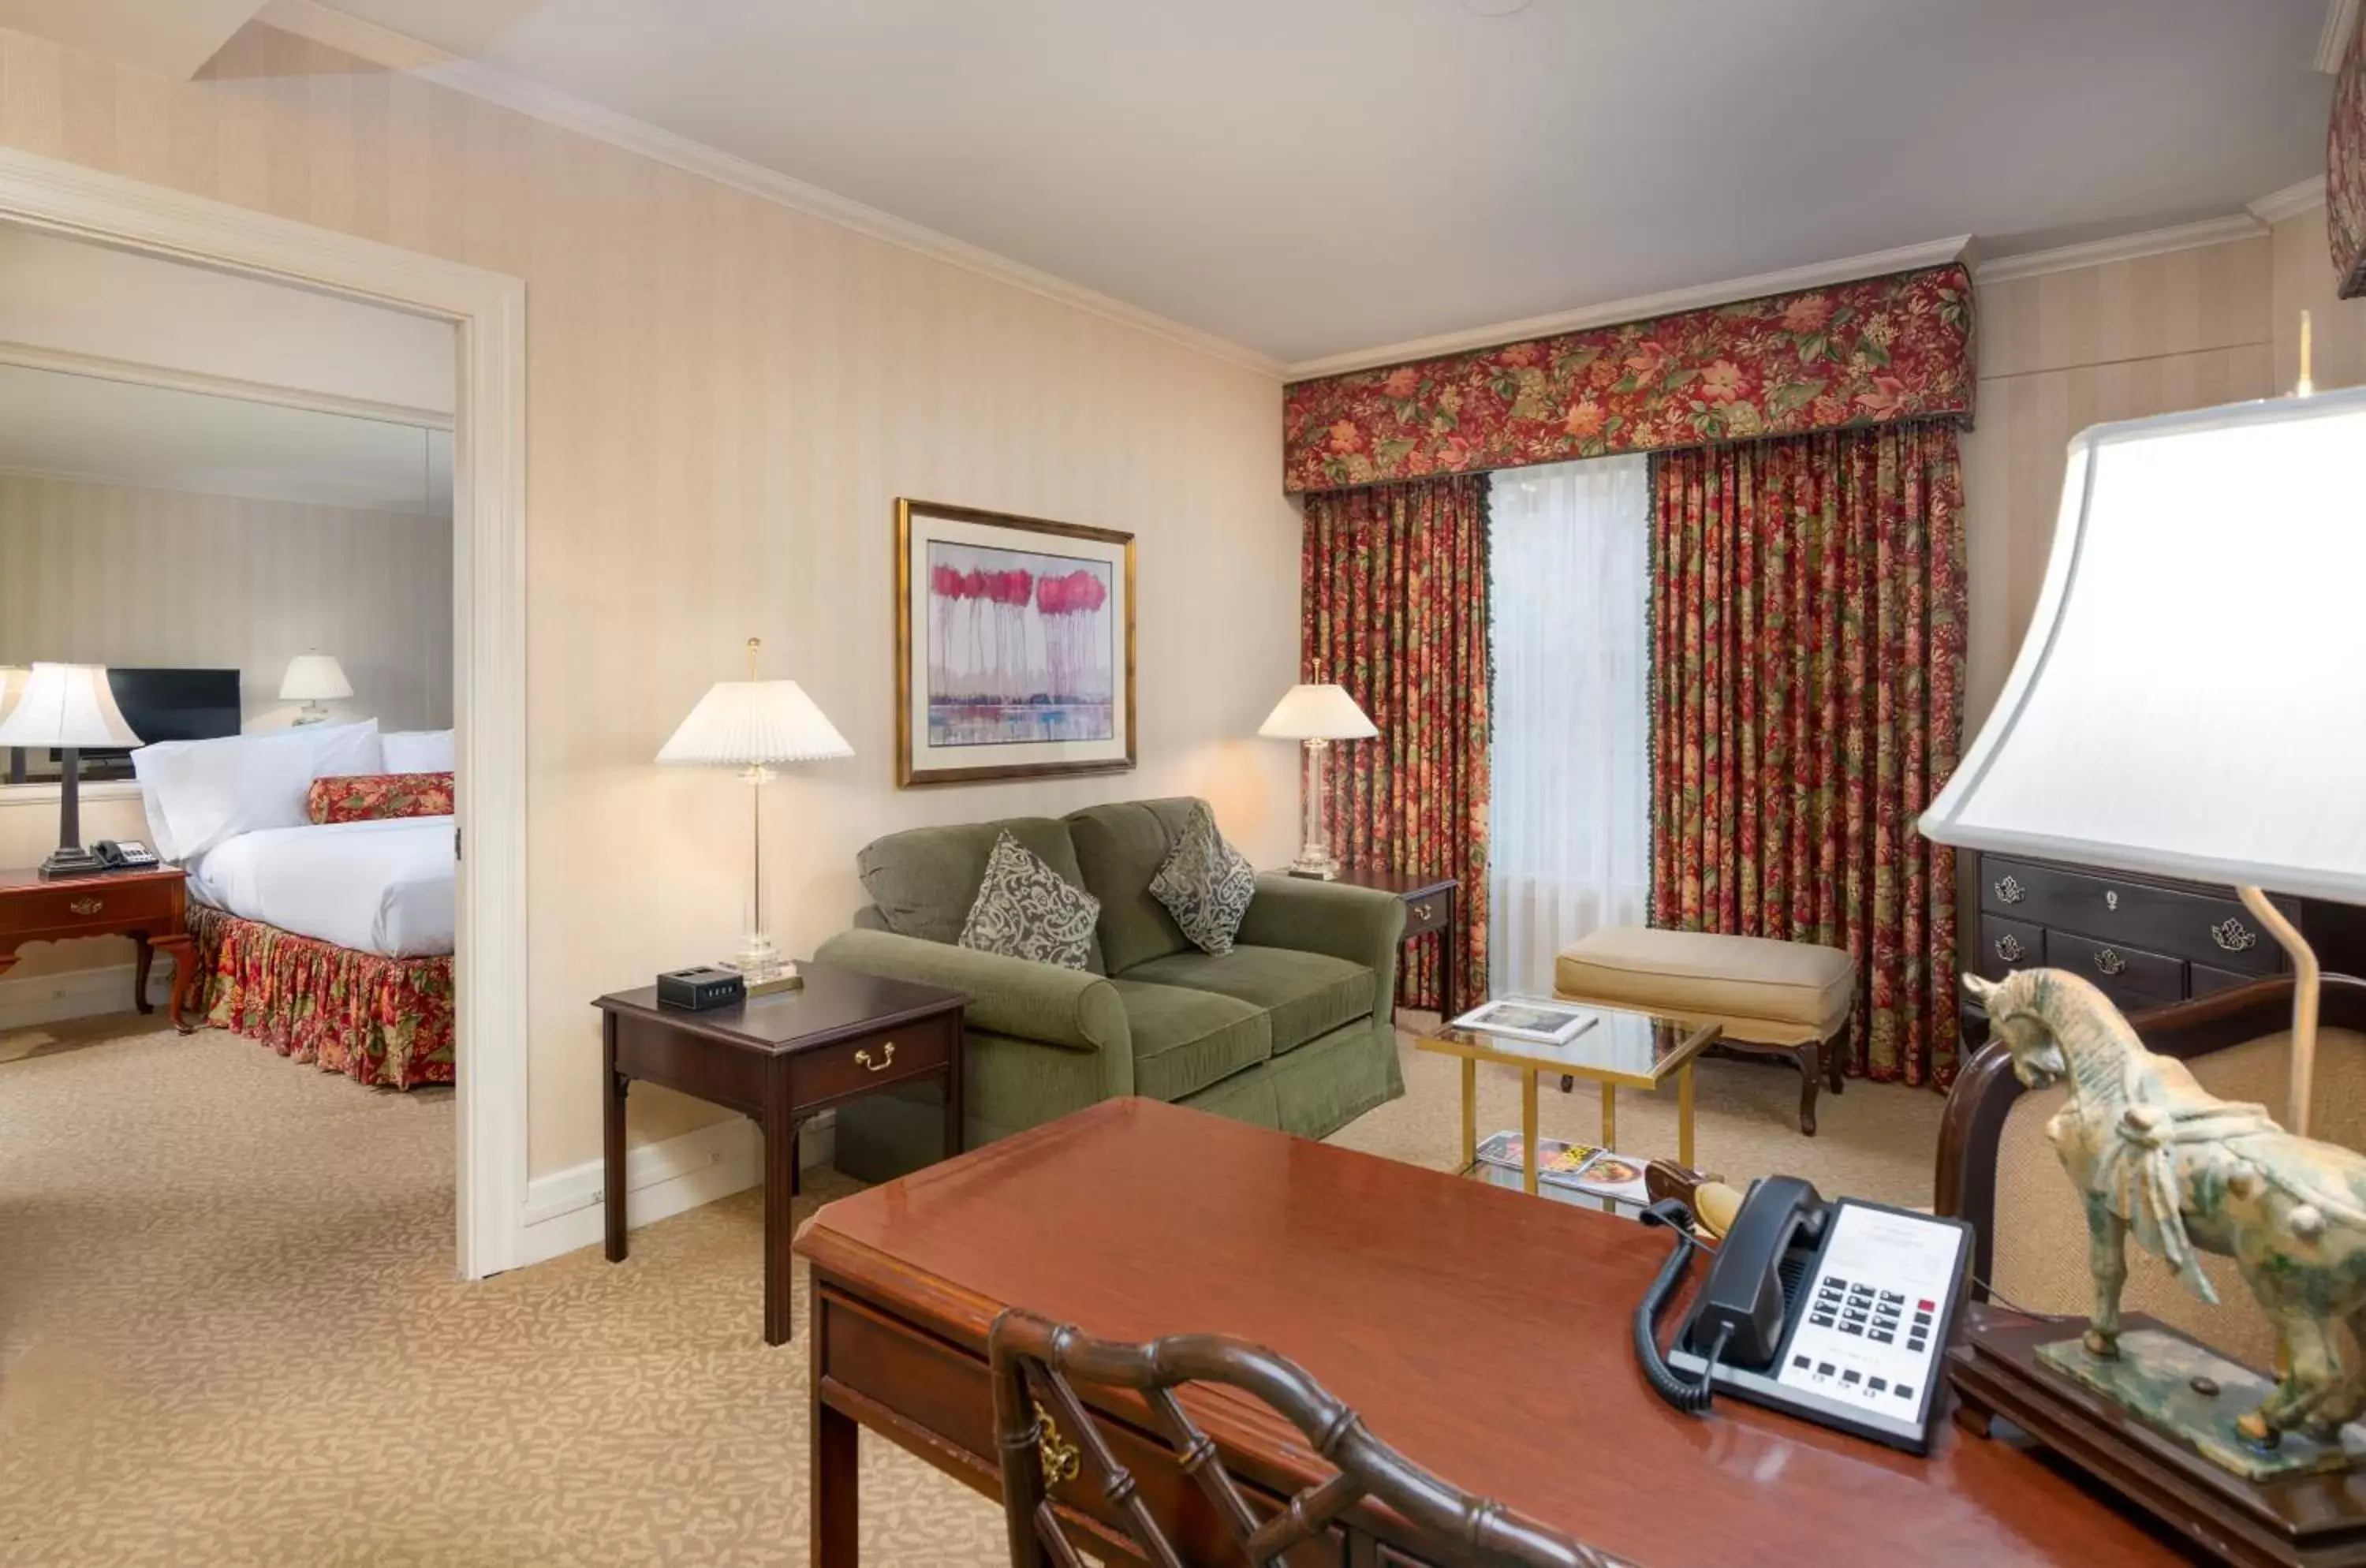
[(762, 969), (1315, 865)]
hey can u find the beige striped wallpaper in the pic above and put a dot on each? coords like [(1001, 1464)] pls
[(2061, 351), (723, 398)]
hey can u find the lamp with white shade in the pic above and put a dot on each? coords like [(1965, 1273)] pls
[(313, 679), (12, 686), (755, 725), (1316, 715), (2188, 700), (67, 706)]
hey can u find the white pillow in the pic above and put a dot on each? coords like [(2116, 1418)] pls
[(417, 751), (201, 793)]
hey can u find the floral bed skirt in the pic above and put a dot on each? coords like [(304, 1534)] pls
[(378, 1020)]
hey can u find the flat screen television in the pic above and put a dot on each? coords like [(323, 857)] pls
[(159, 704)]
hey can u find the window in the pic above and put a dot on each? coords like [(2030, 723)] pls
[(1567, 547)]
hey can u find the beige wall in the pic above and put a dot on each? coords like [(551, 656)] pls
[(724, 398), (2060, 351)]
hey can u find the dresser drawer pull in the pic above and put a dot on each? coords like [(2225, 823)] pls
[(2233, 936), (887, 1056), (2009, 948), (2110, 898), (86, 906), (2008, 891), (2109, 962)]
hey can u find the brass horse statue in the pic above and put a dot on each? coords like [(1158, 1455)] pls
[(2152, 1152)]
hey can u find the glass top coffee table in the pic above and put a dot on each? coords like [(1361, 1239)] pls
[(1637, 1049)]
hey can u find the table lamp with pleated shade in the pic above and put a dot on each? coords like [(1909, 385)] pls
[(755, 725), (67, 706), (1316, 715)]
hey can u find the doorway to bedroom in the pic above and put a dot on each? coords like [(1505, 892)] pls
[(229, 775)]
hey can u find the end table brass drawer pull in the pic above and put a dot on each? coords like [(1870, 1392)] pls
[(1426, 911), (887, 1056), (86, 906)]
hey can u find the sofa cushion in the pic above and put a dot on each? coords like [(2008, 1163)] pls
[(1306, 994), (1765, 990), (924, 880), (1186, 1040), (1119, 848), (1205, 883), (1025, 909)]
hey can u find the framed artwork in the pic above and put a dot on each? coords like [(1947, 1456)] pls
[(1014, 646)]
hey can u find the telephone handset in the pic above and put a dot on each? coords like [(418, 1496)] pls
[(1837, 1311), (125, 854)]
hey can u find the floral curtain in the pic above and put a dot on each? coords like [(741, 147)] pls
[(1807, 616), (1395, 610), (1875, 351), (2345, 172)]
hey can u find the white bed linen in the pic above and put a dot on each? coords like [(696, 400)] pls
[(383, 887)]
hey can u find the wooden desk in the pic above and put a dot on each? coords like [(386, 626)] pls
[(779, 1059), (150, 906), (1484, 1333)]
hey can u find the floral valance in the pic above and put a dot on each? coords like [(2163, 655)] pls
[(1854, 354)]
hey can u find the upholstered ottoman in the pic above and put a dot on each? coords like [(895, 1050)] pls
[(1791, 999)]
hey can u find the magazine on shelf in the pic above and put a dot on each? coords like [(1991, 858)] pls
[(1531, 1019), (1573, 1167)]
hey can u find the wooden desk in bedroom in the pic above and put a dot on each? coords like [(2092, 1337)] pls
[(150, 906), (1483, 1332)]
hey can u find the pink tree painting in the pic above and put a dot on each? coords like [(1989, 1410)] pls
[(1019, 647)]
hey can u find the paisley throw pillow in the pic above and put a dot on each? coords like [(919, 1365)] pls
[(1205, 883), (1025, 909), (371, 797)]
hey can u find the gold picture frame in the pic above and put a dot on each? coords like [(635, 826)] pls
[(1011, 633)]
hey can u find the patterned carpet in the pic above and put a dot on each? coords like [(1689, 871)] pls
[(229, 1335)]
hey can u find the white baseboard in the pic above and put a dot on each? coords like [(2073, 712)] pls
[(565, 1210), (78, 993)]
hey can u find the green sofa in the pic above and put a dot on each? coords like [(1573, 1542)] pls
[(1290, 1028)]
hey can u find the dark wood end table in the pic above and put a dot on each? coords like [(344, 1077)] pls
[(1432, 905), (779, 1059), (151, 907)]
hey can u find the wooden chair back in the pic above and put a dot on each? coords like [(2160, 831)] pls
[(1997, 1170), (1062, 1469)]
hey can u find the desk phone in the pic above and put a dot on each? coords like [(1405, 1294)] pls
[(1837, 1312)]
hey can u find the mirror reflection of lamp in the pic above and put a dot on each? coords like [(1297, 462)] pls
[(67, 706)]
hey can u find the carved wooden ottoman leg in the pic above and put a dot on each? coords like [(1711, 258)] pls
[(1811, 1078)]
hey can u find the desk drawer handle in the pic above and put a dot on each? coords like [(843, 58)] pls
[(1055, 1453), (2008, 891), (2008, 947), (86, 906), (2233, 936), (887, 1056), (2109, 962)]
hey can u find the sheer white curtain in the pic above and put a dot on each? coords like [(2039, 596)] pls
[(1569, 826)]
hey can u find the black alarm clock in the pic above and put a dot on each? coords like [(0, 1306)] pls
[(696, 990)]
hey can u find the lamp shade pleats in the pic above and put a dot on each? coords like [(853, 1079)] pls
[(2191, 700), (314, 678), (1317, 713), (744, 723)]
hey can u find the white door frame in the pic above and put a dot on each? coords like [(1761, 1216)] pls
[(489, 604)]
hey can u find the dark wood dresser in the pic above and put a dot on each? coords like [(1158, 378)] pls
[(2145, 941)]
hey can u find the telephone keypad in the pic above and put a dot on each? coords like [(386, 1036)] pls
[(1883, 1276)]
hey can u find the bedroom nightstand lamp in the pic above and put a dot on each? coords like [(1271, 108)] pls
[(313, 679), (1317, 715), (67, 706), (755, 725)]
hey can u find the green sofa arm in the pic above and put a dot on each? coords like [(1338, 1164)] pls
[(1034, 1002), (1355, 923)]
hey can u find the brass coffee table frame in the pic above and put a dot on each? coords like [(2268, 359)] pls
[(1532, 1061)]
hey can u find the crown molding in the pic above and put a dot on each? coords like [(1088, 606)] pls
[(2123, 247), (381, 46), (2302, 196), (1641, 307), (2340, 22)]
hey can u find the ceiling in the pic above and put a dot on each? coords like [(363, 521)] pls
[(1310, 177), (84, 427)]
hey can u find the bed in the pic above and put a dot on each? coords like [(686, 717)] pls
[(329, 937)]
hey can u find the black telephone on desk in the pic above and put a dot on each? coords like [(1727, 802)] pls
[(1837, 1312), (126, 854)]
